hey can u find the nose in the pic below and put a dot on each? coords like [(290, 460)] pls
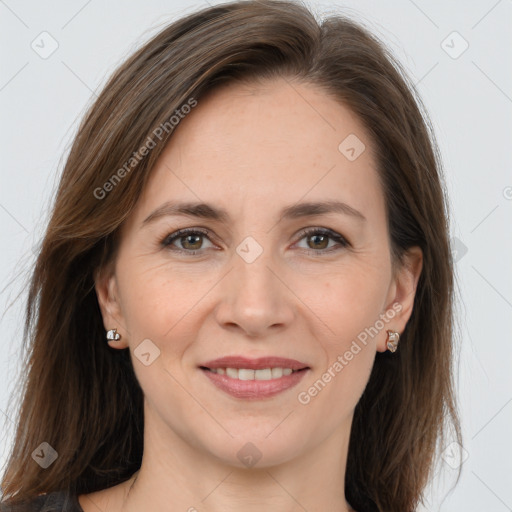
[(255, 298)]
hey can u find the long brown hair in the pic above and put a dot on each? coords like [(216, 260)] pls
[(83, 398)]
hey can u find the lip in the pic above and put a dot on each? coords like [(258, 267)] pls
[(254, 389), (255, 364)]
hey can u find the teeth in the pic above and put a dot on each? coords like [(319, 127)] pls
[(231, 372), (247, 374), (263, 374)]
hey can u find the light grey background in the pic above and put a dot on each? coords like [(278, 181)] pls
[(468, 96)]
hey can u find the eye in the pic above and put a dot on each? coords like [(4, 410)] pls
[(317, 240), (190, 241)]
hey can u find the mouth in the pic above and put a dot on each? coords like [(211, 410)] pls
[(254, 378), (250, 374)]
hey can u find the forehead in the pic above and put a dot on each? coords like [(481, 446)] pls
[(271, 143)]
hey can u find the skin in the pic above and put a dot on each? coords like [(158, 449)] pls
[(253, 150)]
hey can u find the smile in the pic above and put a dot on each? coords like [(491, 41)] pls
[(249, 374), (248, 384)]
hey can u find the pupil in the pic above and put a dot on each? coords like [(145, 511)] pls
[(322, 238), (191, 237)]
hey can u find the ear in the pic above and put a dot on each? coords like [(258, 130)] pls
[(401, 294), (107, 291)]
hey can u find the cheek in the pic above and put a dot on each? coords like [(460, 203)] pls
[(158, 306), (334, 393), (165, 306), (353, 304), (346, 302), (349, 308), (157, 297), (348, 305)]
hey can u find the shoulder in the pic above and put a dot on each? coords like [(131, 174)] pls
[(57, 501)]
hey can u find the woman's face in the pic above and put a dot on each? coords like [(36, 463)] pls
[(247, 280)]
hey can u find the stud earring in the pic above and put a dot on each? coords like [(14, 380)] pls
[(113, 335), (392, 341)]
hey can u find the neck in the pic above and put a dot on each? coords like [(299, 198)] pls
[(178, 475)]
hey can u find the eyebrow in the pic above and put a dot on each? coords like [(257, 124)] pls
[(208, 211)]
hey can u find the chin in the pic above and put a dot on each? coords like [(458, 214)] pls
[(254, 450)]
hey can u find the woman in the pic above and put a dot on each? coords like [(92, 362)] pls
[(243, 300)]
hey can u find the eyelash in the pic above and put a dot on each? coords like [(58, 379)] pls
[(342, 241)]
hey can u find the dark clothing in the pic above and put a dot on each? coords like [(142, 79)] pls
[(58, 501)]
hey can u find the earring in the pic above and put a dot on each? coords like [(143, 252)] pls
[(113, 335), (392, 341)]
